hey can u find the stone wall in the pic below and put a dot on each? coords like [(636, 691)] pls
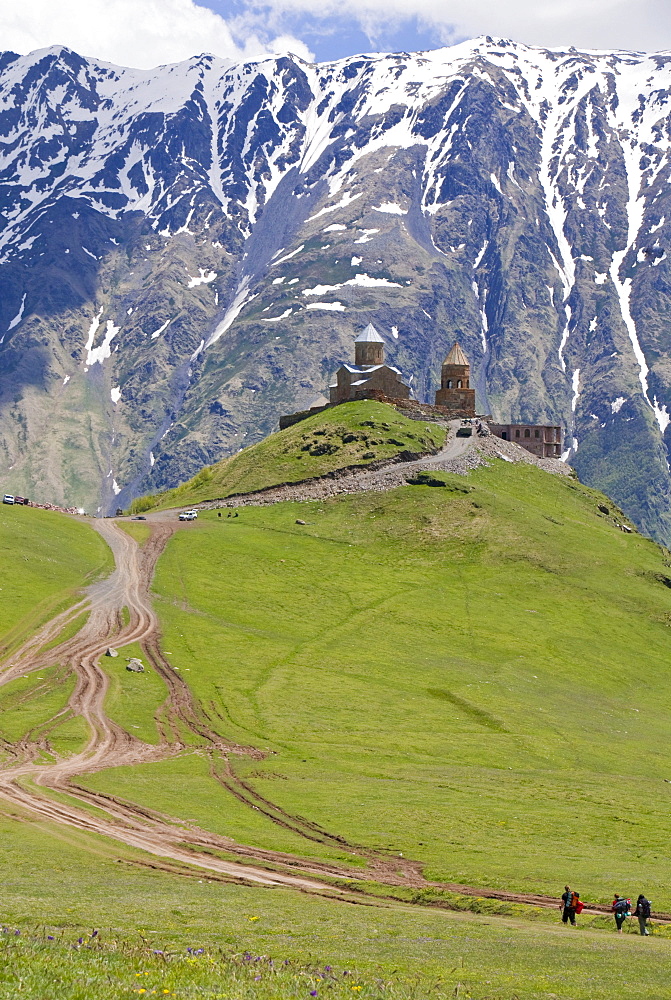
[(458, 401)]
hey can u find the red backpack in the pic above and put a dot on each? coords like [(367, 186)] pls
[(579, 906)]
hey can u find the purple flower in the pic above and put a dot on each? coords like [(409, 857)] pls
[(95, 934), (313, 993), (16, 932), (327, 968), (49, 937), (256, 978), (80, 940)]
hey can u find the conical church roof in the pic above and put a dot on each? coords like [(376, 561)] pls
[(456, 356), (369, 335)]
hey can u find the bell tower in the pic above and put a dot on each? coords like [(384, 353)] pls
[(455, 391), (368, 348)]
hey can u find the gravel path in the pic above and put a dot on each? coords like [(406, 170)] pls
[(459, 456)]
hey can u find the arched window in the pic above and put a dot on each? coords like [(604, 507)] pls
[(538, 434), (527, 433), (449, 383), (458, 383), (517, 434)]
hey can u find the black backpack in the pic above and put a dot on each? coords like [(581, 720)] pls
[(645, 905), (622, 906)]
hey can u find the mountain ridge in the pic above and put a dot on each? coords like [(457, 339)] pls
[(187, 252)]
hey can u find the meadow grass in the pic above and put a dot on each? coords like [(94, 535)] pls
[(35, 706), (147, 920), (133, 699), (476, 679), (140, 532), (46, 556), (28, 702), (352, 434)]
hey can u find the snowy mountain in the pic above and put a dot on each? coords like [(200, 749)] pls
[(186, 253)]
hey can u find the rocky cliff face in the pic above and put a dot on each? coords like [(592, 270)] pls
[(187, 253)]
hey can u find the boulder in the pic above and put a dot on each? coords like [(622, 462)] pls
[(298, 521), (111, 652), (135, 666)]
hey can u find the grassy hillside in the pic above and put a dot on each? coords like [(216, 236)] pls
[(475, 677), (148, 921), (45, 556), (351, 434)]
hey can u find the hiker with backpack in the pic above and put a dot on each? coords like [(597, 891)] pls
[(642, 911), (621, 908), (570, 901)]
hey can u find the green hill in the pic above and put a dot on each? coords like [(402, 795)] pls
[(468, 683), (351, 434), (475, 677), (46, 557)]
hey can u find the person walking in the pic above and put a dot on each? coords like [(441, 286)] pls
[(621, 908), (567, 905), (642, 911)]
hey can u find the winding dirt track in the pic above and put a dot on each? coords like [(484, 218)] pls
[(32, 771)]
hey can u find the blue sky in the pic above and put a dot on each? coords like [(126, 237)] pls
[(146, 33), (330, 37)]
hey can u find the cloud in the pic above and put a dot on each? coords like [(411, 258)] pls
[(139, 33), (600, 24)]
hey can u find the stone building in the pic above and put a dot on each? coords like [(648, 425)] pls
[(369, 374), (455, 391), (542, 440)]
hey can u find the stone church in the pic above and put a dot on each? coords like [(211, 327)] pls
[(369, 374)]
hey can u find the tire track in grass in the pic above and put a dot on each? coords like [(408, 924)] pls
[(26, 783)]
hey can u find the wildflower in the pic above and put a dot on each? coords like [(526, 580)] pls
[(94, 934), (16, 932), (313, 993), (80, 940), (253, 918), (50, 937), (327, 968), (256, 978)]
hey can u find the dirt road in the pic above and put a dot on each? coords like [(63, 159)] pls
[(31, 771)]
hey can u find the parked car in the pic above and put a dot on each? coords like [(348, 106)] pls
[(188, 515), (8, 498)]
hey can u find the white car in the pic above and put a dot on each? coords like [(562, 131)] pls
[(8, 498), (188, 515)]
